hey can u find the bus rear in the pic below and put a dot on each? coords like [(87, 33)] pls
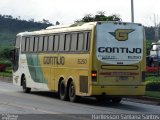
[(119, 60)]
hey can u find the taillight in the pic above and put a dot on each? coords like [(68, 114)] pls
[(94, 76)]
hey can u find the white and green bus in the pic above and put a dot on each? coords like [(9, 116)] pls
[(88, 59)]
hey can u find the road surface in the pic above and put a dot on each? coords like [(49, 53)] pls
[(46, 106)]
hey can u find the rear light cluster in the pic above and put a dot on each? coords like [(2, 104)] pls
[(94, 76)]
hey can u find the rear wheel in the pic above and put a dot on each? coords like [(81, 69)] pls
[(72, 93), (24, 87), (62, 91)]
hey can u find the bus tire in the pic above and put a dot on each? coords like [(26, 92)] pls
[(72, 93), (116, 100), (24, 87), (62, 91)]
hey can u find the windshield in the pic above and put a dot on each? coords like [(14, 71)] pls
[(119, 43)]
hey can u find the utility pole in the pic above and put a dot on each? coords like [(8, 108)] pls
[(132, 11), (157, 25)]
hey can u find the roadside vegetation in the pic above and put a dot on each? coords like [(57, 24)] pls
[(154, 94), (6, 73), (152, 80), (153, 86)]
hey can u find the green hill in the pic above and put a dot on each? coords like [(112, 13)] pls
[(10, 26)]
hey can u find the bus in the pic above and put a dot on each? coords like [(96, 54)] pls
[(102, 59)]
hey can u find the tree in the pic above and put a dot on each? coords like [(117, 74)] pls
[(100, 16), (57, 23), (45, 21), (5, 53), (87, 18), (31, 20)]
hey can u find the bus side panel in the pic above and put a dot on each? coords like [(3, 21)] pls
[(34, 76), (73, 66)]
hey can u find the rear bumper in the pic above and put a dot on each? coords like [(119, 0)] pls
[(134, 90)]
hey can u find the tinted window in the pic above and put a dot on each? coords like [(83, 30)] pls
[(51, 41), (17, 45), (23, 44), (61, 43), (36, 44), (67, 42), (27, 44), (31, 44), (45, 43), (40, 46), (56, 42), (86, 41), (80, 42), (74, 42)]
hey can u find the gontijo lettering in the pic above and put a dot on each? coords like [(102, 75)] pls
[(119, 50), (54, 60)]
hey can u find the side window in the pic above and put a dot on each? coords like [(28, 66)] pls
[(27, 44), (80, 42), (51, 43), (17, 44), (45, 48), (56, 42), (67, 42), (40, 46), (23, 44), (74, 42), (31, 44), (61, 42), (86, 41), (36, 44)]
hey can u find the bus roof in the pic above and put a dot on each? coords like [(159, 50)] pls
[(67, 28), (60, 28)]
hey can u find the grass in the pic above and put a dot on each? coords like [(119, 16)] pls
[(7, 73), (152, 78), (154, 94)]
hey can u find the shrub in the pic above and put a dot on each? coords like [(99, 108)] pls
[(6, 63), (152, 79), (153, 86), (2, 68)]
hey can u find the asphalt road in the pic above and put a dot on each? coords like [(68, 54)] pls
[(46, 105)]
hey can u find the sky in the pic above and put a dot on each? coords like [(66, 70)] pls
[(68, 11)]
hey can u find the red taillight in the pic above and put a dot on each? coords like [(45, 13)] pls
[(94, 76)]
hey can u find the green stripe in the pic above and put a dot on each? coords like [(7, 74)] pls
[(35, 72)]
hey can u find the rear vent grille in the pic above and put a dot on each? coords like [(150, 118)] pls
[(84, 84)]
